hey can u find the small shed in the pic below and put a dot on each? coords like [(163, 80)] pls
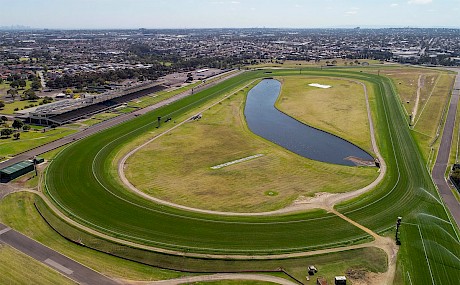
[(340, 280), (14, 171)]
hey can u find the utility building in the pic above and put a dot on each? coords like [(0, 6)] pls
[(18, 169)]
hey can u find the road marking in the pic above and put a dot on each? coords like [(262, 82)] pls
[(58, 266), (4, 231)]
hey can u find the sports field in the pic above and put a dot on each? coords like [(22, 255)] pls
[(429, 254)]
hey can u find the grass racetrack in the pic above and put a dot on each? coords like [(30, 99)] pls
[(220, 136), (79, 182)]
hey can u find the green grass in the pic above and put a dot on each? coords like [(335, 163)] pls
[(126, 110), (90, 122), (9, 107), (18, 211), (340, 110), (31, 139), (222, 136), (159, 96), (433, 98), (404, 192), (17, 268), (105, 116)]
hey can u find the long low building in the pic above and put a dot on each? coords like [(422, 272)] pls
[(16, 170), (69, 110)]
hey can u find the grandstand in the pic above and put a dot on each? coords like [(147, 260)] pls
[(69, 110)]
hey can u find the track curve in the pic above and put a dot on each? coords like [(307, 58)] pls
[(79, 182)]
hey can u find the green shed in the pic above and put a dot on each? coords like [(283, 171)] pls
[(14, 171)]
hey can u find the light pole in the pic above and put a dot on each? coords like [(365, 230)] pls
[(159, 121), (35, 165)]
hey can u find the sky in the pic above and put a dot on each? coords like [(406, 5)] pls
[(128, 14)]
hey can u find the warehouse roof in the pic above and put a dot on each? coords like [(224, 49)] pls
[(16, 167)]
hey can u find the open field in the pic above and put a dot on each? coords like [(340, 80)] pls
[(98, 118), (406, 82), (221, 136), (9, 107), (17, 268), (407, 191), (125, 110), (5, 86), (31, 139), (340, 110), (434, 94)]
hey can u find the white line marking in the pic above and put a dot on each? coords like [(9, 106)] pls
[(236, 161), (410, 280), (4, 231), (58, 266), (426, 257)]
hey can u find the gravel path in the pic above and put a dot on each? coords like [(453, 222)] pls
[(220, 276)]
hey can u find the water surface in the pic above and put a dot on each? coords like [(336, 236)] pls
[(268, 122)]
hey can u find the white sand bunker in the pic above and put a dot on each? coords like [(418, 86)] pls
[(319, 85), (236, 161)]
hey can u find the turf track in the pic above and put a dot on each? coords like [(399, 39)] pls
[(78, 181)]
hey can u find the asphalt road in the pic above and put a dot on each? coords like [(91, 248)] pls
[(105, 125), (51, 258), (443, 155)]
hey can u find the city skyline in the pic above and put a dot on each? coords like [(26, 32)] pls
[(177, 14)]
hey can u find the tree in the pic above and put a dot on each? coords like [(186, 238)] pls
[(29, 94), (1, 80), (47, 100), (36, 85), (2, 104), (12, 92), (26, 128), (22, 83), (17, 124), (16, 136), (6, 132), (14, 84), (3, 118)]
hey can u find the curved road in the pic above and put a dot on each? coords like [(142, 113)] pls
[(442, 160)]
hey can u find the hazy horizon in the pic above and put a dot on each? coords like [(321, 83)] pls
[(196, 14)]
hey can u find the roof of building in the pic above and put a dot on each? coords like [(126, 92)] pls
[(16, 167)]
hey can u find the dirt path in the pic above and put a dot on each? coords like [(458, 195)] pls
[(421, 83), (386, 244), (217, 277)]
